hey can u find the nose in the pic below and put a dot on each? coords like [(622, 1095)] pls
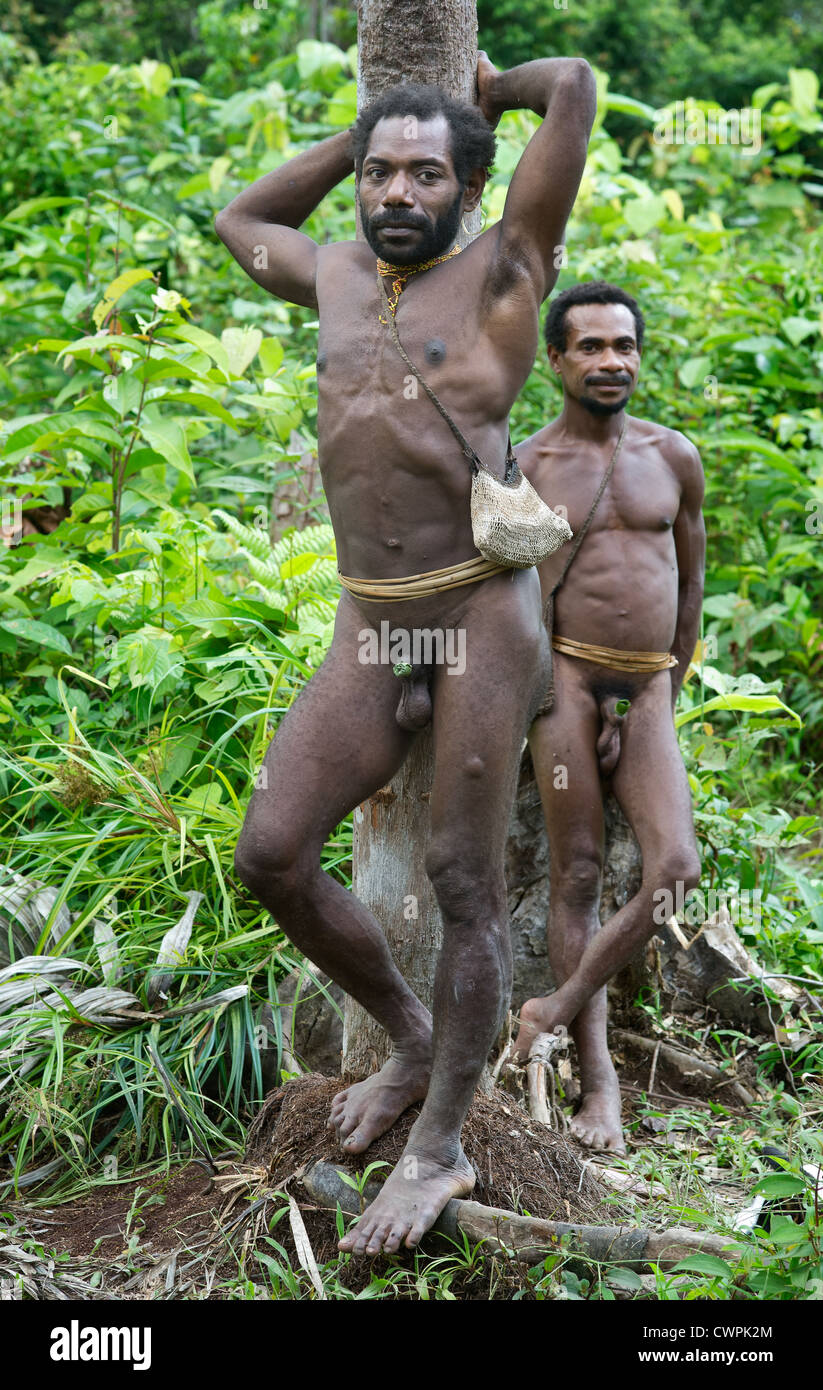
[(611, 361), (398, 191)]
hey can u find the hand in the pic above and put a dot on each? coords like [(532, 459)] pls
[(488, 77)]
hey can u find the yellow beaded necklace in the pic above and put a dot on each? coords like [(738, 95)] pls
[(401, 273)]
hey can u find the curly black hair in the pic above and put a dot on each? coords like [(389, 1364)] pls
[(592, 292), (473, 143)]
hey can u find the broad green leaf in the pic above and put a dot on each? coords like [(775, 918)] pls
[(29, 630), (629, 106), (644, 213), (779, 194), (764, 343), (342, 109), (190, 333), (796, 329), (693, 370), (217, 173), (203, 402), (198, 183), (162, 161), (750, 704), (701, 1263), (780, 1185), (155, 77), (241, 346), (315, 57), (168, 439), (674, 203), (625, 1279), (271, 355), (804, 86), (56, 428), (117, 289), (32, 205), (99, 342), (298, 565)]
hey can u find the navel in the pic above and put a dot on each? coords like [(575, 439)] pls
[(322, 359)]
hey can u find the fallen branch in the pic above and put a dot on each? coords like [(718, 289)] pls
[(685, 1063), (539, 1072), (529, 1239)]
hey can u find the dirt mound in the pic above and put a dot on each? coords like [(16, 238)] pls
[(519, 1164)]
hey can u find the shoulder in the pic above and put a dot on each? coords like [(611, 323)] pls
[(534, 455), (335, 254), (675, 448)]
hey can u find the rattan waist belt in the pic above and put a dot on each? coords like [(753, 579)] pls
[(640, 662), (422, 585)]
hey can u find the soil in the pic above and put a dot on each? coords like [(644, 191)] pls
[(520, 1165), (170, 1211)]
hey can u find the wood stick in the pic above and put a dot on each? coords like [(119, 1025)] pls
[(530, 1239), (684, 1062)]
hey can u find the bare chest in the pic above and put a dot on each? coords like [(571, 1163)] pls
[(641, 495)]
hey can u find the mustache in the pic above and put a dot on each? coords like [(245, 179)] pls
[(608, 381), (399, 220)]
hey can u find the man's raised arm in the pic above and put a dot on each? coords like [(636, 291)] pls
[(545, 183), (259, 226)]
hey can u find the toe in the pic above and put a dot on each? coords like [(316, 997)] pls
[(391, 1241), (416, 1233)]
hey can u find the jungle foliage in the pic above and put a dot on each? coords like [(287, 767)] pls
[(150, 645)]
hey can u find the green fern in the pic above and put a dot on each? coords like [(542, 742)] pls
[(298, 574)]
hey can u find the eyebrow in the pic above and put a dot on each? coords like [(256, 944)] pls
[(621, 338), (421, 159)]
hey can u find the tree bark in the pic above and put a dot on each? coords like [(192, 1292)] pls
[(433, 41), (527, 878)]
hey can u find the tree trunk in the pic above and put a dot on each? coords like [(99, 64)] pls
[(436, 41), (527, 878), (404, 41)]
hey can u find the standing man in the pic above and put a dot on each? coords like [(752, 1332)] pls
[(625, 623), (398, 492)]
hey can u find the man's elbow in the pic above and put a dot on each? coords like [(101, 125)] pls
[(577, 74), (578, 85)]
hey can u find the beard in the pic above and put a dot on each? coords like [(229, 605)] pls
[(603, 408), (437, 237)]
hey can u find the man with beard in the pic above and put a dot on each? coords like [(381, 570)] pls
[(623, 618), (398, 490)]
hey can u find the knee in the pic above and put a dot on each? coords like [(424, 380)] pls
[(466, 889), (679, 864), (270, 868), (578, 882)]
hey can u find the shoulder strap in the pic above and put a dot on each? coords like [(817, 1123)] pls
[(475, 461), (581, 534)]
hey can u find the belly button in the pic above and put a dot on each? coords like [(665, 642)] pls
[(392, 542)]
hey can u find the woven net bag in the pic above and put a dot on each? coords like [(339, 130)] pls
[(511, 523)]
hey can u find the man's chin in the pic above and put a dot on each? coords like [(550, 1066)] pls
[(602, 408)]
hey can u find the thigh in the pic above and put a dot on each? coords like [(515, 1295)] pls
[(650, 780), (481, 715), (337, 744), (564, 755)]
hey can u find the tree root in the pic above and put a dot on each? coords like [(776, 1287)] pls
[(529, 1239)]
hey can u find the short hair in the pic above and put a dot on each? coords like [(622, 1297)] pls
[(473, 143), (592, 292)]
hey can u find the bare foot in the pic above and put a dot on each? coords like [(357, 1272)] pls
[(597, 1122), (411, 1200), (536, 1016), (366, 1110)]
